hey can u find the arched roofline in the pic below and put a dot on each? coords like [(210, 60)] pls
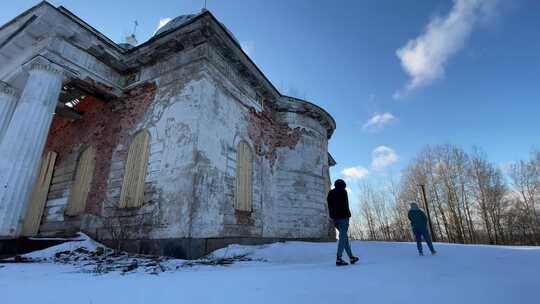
[(304, 107)]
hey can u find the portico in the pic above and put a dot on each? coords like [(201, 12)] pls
[(43, 69), (23, 141)]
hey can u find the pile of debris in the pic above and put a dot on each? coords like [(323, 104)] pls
[(213, 260), (92, 257), (105, 260)]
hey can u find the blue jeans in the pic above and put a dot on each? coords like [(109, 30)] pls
[(418, 234), (342, 225)]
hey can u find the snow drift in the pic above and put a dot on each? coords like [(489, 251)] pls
[(298, 272)]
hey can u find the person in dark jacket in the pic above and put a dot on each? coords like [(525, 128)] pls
[(419, 227), (338, 207)]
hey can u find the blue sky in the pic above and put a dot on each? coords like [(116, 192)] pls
[(468, 72)]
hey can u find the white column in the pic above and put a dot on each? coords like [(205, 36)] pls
[(23, 142), (7, 105)]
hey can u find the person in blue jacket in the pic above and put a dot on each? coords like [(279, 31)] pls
[(419, 227)]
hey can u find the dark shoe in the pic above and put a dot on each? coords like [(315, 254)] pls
[(421, 254), (433, 252), (353, 259), (340, 262)]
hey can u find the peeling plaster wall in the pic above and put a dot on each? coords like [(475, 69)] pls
[(196, 116), (108, 127), (173, 124), (290, 166), (223, 124), (299, 207), (198, 96)]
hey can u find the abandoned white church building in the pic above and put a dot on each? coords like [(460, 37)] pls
[(177, 146)]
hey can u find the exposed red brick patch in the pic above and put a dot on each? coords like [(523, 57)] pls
[(103, 126), (243, 217), (268, 135)]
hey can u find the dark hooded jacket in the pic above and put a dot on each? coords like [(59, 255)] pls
[(338, 202), (417, 217)]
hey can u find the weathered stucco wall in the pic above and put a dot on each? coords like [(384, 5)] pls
[(198, 96), (173, 124), (196, 116), (299, 194), (224, 123), (170, 113), (289, 168)]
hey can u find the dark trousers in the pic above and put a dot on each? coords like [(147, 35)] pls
[(418, 234), (342, 225)]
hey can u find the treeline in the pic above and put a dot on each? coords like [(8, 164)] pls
[(470, 199)]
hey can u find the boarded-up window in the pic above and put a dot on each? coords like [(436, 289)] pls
[(137, 161), (39, 195), (244, 172), (83, 180)]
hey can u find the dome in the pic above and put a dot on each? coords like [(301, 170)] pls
[(175, 23), (183, 19)]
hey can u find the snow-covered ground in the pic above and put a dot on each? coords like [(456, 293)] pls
[(298, 272)]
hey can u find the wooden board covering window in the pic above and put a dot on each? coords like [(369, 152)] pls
[(83, 180), (244, 172), (132, 194), (38, 198)]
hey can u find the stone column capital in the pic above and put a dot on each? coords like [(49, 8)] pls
[(41, 63), (6, 89)]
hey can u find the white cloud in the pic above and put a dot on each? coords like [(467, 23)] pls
[(162, 22), (248, 47), (355, 173), (425, 57), (378, 121), (382, 157)]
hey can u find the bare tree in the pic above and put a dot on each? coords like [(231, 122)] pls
[(525, 175), (489, 192), (468, 196)]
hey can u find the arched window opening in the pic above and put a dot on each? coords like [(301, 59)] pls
[(83, 180), (244, 172), (132, 194)]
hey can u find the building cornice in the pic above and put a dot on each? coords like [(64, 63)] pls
[(203, 28), (41, 64), (303, 107)]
